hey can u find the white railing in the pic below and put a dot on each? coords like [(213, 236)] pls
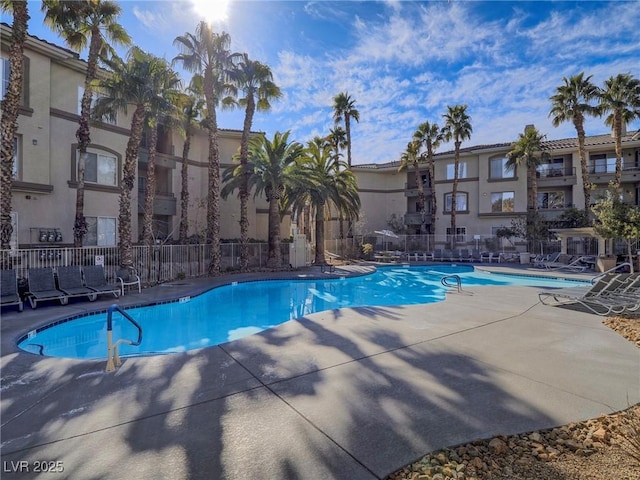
[(157, 264), (352, 247)]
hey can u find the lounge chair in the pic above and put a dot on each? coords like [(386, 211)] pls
[(42, 286), (611, 293), (509, 257), (127, 278), (548, 259), (9, 289), (476, 256), (465, 255), (565, 262), (95, 280), (71, 283), (489, 257), (438, 254)]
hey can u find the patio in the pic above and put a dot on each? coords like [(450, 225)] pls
[(350, 393)]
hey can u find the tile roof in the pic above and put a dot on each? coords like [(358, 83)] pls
[(564, 143)]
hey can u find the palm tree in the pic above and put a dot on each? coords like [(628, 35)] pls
[(267, 165), (317, 180), (191, 105), (344, 107), (429, 135), (571, 102), (163, 94), (255, 80), (528, 152), (411, 158), (207, 53), (621, 99), (82, 23), (10, 106), (457, 127), (127, 86), (337, 140)]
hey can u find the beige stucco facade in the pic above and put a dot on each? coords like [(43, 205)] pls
[(44, 188)]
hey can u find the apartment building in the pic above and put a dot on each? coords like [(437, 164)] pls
[(44, 188), (45, 155), (489, 195)]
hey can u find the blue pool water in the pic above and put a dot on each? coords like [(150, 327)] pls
[(234, 311)]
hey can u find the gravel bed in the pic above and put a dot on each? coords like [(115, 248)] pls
[(607, 447)]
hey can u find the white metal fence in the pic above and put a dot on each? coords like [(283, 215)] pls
[(352, 247), (156, 264)]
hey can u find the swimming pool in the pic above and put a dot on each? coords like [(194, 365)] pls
[(234, 311)]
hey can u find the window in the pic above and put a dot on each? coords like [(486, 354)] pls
[(101, 231), (461, 234), (498, 169), (16, 157), (553, 168), (425, 180), (502, 201), (5, 69), (4, 65), (462, 170), (461, 202), (100, 168), (551, 200), (94, 97), (603, 163)]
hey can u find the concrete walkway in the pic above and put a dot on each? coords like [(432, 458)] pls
[(345, 394)]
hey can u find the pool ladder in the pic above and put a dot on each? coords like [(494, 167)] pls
[(113, 360), (445, 281)]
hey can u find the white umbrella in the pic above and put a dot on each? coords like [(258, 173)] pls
[(386, 233)]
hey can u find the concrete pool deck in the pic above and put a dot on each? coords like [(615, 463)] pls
[(354, 393)]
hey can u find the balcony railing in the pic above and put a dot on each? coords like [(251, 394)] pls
[(557, 172), (417, 218), (411, 190), (610, 169)]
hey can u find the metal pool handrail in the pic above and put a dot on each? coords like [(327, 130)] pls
[(113, 360), (457, 278)]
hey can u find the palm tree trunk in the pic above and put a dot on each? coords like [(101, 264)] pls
[(83, 134), (319, 258), (10, 106), (578, 122), (617, 128), (184, 192), (534, 189), (421, 199), (454, 193), (244, 185), (274, 259), (150, 192), (434, 198), (128, 179), (213, 199), (307, 221), (347, 129)]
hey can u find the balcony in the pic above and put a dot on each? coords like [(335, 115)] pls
[(162, 159), (412, 190), (557, 177), (603, 174), (164, 203), (414, 218)]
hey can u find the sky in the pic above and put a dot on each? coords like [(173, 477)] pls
[(403, 62)]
